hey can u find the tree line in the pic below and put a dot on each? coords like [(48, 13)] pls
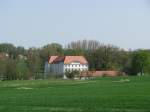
[(29, 63)]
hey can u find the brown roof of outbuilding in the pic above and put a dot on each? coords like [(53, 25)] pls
[(101, 73)]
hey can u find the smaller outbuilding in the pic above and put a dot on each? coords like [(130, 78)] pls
[(90, 74)]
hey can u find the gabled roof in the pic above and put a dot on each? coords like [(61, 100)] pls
[(59, 59), (70, 59), (67, 59), (52, 58)]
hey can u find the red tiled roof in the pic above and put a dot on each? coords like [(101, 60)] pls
[(52, 58), (68, 59), (59, 59)]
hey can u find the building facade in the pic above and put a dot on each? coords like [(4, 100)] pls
[(60, 64)]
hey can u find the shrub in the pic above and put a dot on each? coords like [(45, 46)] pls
[(72, 74)]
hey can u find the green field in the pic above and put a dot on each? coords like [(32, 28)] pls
[(120, 94)]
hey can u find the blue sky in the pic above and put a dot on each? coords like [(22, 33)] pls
[(125, 23)]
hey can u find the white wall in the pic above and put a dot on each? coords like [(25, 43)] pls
[(75, 66)]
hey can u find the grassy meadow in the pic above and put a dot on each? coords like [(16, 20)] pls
[(118, 94)]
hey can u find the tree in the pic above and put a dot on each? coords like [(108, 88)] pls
[(22, 70), (140, 62), (99, 56), (21, 51), (3, 64), (49, 50), (34, 63), (8, 48), (10, 69)]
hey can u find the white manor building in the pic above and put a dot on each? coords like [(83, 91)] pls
[(59, 64)]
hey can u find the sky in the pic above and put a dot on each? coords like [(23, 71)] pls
[(34, 23)]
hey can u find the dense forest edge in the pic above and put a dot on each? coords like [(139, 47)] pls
[(18, 63)]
